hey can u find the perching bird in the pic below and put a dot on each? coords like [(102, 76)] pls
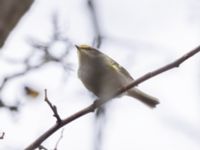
[(103, 76)]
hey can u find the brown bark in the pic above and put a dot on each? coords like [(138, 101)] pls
[(10, 13)]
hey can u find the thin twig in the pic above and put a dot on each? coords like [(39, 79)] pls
[(60, 138), (53, 108), (98, 103)]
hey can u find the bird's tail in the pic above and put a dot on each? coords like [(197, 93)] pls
[(143, 97)]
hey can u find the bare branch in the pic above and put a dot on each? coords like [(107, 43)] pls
[(99, 102), (53, 108)]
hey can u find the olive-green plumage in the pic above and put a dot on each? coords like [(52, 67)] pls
[(103, 76)]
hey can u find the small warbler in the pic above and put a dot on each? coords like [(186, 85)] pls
[(103, 76)]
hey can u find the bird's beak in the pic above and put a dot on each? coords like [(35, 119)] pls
[(78, 48)]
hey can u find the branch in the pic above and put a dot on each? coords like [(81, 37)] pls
[(53, 108), (98, 103)]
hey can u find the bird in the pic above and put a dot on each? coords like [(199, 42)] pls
[(103, 76)]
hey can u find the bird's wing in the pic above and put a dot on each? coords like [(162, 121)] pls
[(118, 67)]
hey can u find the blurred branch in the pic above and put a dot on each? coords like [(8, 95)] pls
[(97, 42), (98, 35), (11, 12), (9, 107), (46, 57), (97, 103), (28, 68), (53, 108), (13, 76), (2, 135)]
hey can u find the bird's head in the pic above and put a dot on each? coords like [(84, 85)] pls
[(87, 52)]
